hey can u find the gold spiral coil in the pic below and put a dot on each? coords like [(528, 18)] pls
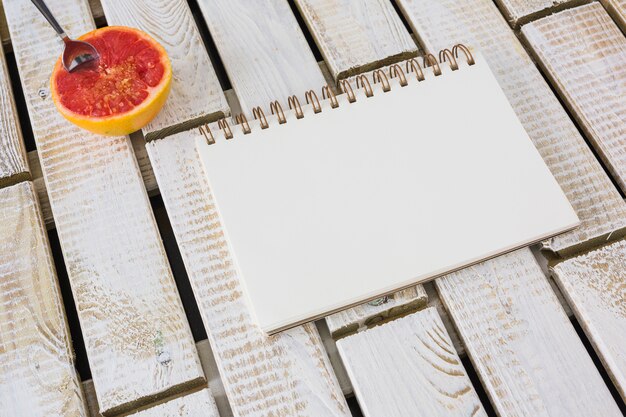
[(413, 66), (242, 120), (368, 88), (382, 77), (446, 55), (396, 71), (277, 109), (450, 57), (223, 124), (310, 95), (294, 104), (259, 115), (431, 61), (326, 90), (347, 89), (206, 132)]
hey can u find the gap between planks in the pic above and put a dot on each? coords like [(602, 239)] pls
[(595, 286), (13, 165), (520, 12), (38, 377), (138, 341), (289, 373), (583, 54)]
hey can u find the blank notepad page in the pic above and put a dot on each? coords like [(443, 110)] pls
[(339, 207)]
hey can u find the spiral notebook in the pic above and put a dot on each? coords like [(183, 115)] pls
[(410, 174)]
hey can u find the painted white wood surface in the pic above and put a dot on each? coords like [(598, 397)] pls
[(288, 374), (595, 287), (583, 52), (94, 5), (139, 149), (521, 343), (617, 10), (478, 23), (408, 368), (137, 338), (193, 98), (263, 51), (435, 302), (199, 405), (195, 404), (37, 375), (519, 12), (368, 314), (262, 375), (13, 166), (354, 37)]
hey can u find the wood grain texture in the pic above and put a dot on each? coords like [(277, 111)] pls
[(521, 343), (137, 338), (518, 12), (143, 161), (354, 37), (595, 286), (5, 37), (195, 404), (435, 302), (263, 51), (408, 368), (262, 376), (368, 314), (617, 10), (13, 166), (37, 375), (584, 54), (194, 97), (479, 24)]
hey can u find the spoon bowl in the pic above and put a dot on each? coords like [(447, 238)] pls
[(76, 53)]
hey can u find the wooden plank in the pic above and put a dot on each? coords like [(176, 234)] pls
[(13, 166), (595, 286), (137, 338), (215, 391), (38, 377), (408, 367), (262, 37), (288, 373), (478, 23), (354, 37), (193, 99), (195, 404), (521, 342), (519, 12), (368, 314), (435, 302), (617, 10), (5, 37), (584, 54), (261, 375), (143, 161)]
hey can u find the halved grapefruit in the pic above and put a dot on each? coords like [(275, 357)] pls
[(120, 92)]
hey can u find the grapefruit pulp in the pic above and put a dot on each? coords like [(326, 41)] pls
[(121, 91)]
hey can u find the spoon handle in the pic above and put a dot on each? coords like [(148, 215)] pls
[(43, 8)]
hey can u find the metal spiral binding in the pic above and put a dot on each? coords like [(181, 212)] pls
[(445, 56)]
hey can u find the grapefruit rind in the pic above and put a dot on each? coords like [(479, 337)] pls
[(122, 123)]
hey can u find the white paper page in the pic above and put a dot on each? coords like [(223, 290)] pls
[(343, 206)]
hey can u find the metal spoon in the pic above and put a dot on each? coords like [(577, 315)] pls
[(75, 53)]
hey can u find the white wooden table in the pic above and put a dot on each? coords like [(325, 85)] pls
[(137, 259)]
